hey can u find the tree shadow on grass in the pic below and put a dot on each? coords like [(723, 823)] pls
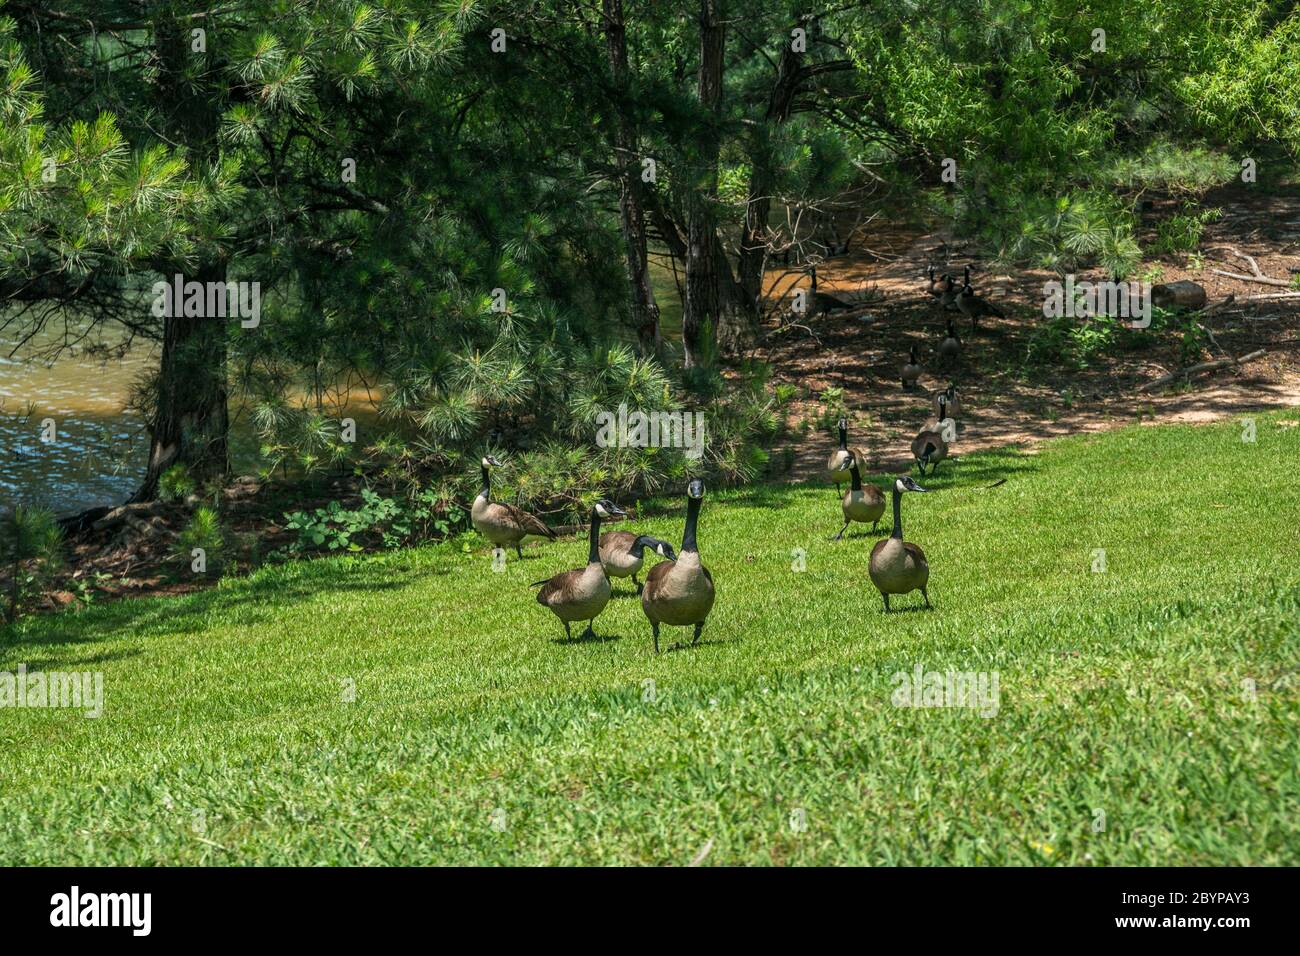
[(250, 602)]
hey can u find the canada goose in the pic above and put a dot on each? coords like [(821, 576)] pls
[(837, 466), (948, 292), (911, 369), (898, 566), (860, 503), (581, 594), (950, 347), (933, 287), (681, 591), (824, 301), (946, 404), (930, 446), (500, 523), (622, 553), (974, 307)]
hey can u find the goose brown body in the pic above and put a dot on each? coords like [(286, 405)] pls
[(617, 556), (897, 566), (837, 466), (865, 504), (929, 447), (502, 524), (678, 592), (581, 594), (577, 595), (911, 369)]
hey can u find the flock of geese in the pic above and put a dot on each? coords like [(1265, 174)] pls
[(678, 591)]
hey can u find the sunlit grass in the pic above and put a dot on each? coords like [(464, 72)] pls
[(1147, 714)]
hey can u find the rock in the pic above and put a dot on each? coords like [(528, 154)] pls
[(1182, 294)]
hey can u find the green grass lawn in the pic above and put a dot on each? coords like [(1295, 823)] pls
[(1126, 731)]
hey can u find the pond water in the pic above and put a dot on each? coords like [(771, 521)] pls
[(66, 439), (97, 448)]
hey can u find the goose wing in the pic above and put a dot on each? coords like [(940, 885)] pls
[(915, 551), (617, 542), (654, 580), (530, 524), (559, 586)]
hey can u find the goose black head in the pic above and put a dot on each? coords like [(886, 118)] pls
[(842, 424), (607, 509), (491, 461), (951, 392), (911, 353), (695, 488), (906, 483), (943, 406), (965, 279), (665, 550), (929, 272)]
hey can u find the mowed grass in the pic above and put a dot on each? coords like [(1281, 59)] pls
[(1146, 715)]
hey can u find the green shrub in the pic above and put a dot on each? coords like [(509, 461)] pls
[(30, 552), (204, 531), (175, 484), (1182, 232)]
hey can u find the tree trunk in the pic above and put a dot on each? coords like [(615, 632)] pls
[(700, 312), (645, 311), (754, 234), (190, 420)]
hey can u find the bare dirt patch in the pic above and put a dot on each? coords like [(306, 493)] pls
[(1004, 401)]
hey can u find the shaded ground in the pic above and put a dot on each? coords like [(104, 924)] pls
[(861, 350)]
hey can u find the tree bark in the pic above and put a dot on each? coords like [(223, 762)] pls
[(190, 420), (645, 310), (754, 234), (701, 308), (191, 417)]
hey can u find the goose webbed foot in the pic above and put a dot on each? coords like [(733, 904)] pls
[(699, 628), (588, 633), (925, 595), (841, 534)]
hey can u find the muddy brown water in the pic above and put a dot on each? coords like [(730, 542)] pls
[(67, 439)]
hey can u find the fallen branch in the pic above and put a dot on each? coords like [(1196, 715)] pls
[(1216, 306), (1263, 280), (1202, 367), (1255, 276), (1274, 295)]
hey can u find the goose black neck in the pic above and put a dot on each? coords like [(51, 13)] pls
[(898, 515), (813, 273), (856, 476), (692, 519), (639, 545), (911, 355), (844, 438), (486, 490), (593, 550)]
